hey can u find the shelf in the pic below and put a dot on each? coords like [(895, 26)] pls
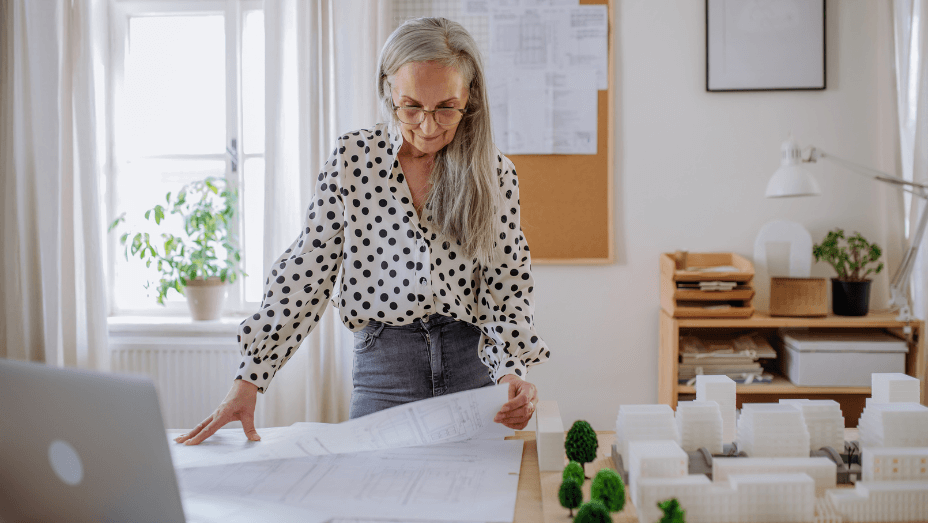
[(762, 319), (781, 385)]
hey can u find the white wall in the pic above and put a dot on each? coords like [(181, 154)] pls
[(691, 170)]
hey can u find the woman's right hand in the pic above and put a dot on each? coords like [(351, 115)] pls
[(239, 405)]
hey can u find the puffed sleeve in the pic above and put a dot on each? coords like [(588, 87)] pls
[(298, 286), (510, 343)]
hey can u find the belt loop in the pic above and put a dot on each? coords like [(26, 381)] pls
[(378, 330)]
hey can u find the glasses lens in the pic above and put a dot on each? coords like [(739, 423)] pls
[(447, 116), (410, 115)]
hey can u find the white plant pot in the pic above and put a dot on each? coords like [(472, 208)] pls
[(205, 298)]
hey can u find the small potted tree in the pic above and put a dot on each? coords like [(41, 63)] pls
[(853, 260), (200, 262)]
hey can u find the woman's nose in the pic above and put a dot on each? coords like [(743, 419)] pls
[(429, 125)]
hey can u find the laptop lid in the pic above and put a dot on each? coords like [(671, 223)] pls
[(82, 446)]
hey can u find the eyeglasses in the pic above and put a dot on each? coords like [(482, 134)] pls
[(416, 115)]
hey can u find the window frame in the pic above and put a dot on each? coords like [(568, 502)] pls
[(120, 12)]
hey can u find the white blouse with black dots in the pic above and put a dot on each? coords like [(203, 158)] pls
[(394, 266)]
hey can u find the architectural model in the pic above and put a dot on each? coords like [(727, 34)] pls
[(779, 481), (549, 436)]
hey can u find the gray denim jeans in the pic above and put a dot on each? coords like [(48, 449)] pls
[(397, 365)]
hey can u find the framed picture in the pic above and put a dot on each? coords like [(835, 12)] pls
[(765, 45)]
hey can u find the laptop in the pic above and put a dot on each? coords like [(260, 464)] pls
[(82, 446)]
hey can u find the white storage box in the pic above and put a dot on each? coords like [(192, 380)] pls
[(840, 359)]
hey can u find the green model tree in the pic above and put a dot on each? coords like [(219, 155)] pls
[(608, 488), (570, 495), (581, 443), (593, 512), (574, 470), (673, 513)]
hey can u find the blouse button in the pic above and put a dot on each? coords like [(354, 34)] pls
[(423, 280)]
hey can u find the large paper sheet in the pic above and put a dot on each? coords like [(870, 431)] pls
[(443, 419), (475, 480)]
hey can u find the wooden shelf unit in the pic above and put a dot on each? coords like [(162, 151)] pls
[(852, 399)]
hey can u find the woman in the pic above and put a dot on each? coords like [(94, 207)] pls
[(415, 227)]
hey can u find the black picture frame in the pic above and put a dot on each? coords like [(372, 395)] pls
[(773, 45)]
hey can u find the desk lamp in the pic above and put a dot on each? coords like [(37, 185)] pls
[(791, 179)]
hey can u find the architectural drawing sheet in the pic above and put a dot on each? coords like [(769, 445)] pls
[(453, 417), (474, 480), (546, 62)]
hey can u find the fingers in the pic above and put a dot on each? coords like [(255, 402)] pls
[(207, 431), (196, 430)]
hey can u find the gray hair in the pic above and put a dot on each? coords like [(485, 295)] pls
[(464, 192)]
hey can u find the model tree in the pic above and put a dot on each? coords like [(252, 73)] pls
[(673, 513), (570, 495), (581, 443), (574, 470), (608, 488), (593, 512)]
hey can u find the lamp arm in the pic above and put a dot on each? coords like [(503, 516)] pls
[(816, 153)]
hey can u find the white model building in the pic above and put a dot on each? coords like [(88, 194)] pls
[(654, 459), (894, 425), (720, 389), (824, 422), (549, 436), (769, 430), (882, 501), (700, 425), (823, 471), (890, 387), (894, 464), (643, 422)]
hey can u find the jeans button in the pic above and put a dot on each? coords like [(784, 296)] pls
[(425, 319)]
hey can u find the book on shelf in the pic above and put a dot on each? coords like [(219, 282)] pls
[(736, 356)]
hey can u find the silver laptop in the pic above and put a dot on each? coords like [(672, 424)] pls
[(82, 446)]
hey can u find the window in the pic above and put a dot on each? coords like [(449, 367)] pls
[(187, 84)]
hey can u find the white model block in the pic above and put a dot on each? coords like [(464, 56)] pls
[(774, 497), (720, 389), (882, 501), (770, 430), (894, 464), (700, 425), (894, 387), (894, 425), (691, 491), (549, 436), (823, 471), (824, 422), (655, 459), (644, 422)]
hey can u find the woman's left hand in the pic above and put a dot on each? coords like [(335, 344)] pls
[(523, 397)]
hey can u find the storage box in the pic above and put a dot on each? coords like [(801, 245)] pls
[(798, 297), (844, 358), (681, 275)]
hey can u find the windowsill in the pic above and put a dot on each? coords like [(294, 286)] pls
[(171, 326)]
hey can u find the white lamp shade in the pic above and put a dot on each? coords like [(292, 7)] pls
[(792, 180)]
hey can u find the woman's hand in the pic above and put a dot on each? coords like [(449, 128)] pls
[(523, 396), (239, 405)]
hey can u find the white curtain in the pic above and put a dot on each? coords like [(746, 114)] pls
[(52, 292), (321, 62), (911, 54)]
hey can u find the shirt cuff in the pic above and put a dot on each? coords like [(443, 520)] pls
[(511, 366), (259, 373)]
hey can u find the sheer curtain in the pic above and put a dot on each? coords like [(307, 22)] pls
[(52, 291), (911, 53), (321, 62)]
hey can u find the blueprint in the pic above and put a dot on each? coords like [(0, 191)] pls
[(474, 480), (454, 417)]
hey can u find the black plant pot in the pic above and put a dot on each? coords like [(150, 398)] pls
[(850, 298)]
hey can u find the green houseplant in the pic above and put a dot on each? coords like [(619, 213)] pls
[(204, 258), (853, 258)]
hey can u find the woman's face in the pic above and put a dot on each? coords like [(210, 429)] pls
[(431, 86)]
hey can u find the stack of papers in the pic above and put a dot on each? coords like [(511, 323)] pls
[(738, 358), (441, 459)]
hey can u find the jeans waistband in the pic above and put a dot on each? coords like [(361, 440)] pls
[(433, 321)]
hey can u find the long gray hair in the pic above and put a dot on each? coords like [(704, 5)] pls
[(464, 192)]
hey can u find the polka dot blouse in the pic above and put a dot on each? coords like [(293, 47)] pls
[(363, 241)]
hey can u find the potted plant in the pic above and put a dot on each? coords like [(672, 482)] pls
[(852, 260), (200, 263)]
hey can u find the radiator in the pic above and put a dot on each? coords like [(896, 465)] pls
[(192, 374)]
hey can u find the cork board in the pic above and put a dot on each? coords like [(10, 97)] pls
[(567, 200)]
